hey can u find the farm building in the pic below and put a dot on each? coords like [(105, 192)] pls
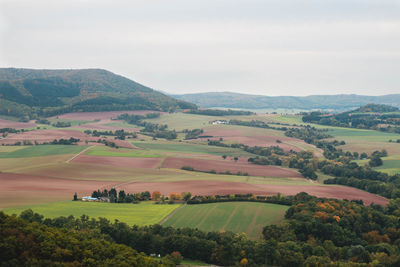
[(219, 122), (90, 199)]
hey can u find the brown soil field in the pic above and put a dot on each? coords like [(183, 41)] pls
[(229, 165), (100, 126), (42, 136), (90, 116), (46, 135), (145, 163), (22, 189), (219, 187), (15, 124), (256, 140)]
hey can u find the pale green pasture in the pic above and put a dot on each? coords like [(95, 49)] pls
[(145, 213)]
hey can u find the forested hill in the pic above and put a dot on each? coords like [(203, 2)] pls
[(332, 102), (371, 116), (32, 93)]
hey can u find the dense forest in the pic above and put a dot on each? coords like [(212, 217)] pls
[(316, 232), (29, 94), (28, 241)]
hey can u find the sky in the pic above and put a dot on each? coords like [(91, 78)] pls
[(266, 47)]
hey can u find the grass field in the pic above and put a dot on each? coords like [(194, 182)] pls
[(246, 217), (184, 147), (7, 149), (123, 125), (181, 121), (42, 150), (391, 165), (72, 122), (120, 152), (145, 213)]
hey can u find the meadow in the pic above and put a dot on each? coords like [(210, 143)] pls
[(145, 213), (181, 121), (185, 147), (239, 217), (120, 152), (122, 125), (391, 165), (40, 151)]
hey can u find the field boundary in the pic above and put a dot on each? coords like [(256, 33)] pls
[(83, 151), (171, 214)]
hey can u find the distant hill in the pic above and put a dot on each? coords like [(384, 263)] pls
[(31, 93), (325, 102), (371, 116), (380, 108)]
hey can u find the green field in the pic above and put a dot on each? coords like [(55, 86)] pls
[(184, 147), (122, 125), (239, 217), (391, 165), (145, 213), (120, 152), (42, 150), (181, 121), (72, 122)]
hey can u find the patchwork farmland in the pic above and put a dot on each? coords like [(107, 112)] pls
[(45, 177)]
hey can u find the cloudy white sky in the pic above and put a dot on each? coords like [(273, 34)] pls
[(269, 47)]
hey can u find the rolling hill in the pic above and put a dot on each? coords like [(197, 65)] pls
[(326, 102), (31, 93)]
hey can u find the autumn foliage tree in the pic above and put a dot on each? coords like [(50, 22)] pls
[(156, 195), (174, 196)]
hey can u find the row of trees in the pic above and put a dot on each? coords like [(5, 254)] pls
[(150, 129), (119, 134), (121, 196)]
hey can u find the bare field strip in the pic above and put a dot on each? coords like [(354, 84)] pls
[(22, 189), (15, 124), (128, 162), (229, 165), (222, 188)]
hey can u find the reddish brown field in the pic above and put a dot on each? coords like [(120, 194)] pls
[(42, 136), (229, 165), (15, 124), (256, 140), (46, 135), (21, 189), (90, 116), (219, 187), (145, 163), (100, 126)]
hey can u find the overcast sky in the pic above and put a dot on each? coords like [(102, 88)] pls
[(269, 47)]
